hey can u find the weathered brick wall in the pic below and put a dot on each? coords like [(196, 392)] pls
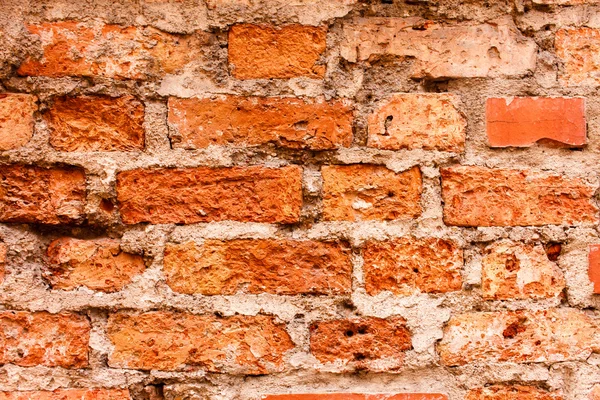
[(299, 199)]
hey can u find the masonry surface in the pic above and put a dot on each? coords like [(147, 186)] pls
[(299, 200)]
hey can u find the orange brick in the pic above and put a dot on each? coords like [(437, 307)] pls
[(370, 192), (363, 343), (96, 264), (70, 48), (174, 341), (89, 123), (284, 267), (265, 52), (353, 396), (514, 392), (552, 335), (406, 266), (477, 196), (250, 194), (53, 340), (594, 267), (418, 121), (250, 121), (519, 271), (16, 119), (522, 121), (31, 194), (595, 393), (69, 394), (578, 50), (441, 50)]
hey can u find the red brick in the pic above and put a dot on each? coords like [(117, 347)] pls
[(16, 119), (250, 194), (96, 264), (361, 342), (594, 267), (565, 2), (579, 51), (53, 340), (478, 196), (68, 394), (522, 121), (441, 50), (406, 266), (516, 392), (257, 52), (71, 48), (418, 121), (90, 123), (552, 335), (370, 192), (595, 393), (519, 271), (250, 121), (31, 194), (174, 341), (284, 267), (354, 396)]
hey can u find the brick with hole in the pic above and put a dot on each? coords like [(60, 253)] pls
[(512, 392), (93, 123), (355, 396), (39, 338), (407, 266), (93, 49), (191, 195), (287, 122), (524, 121), (68, 394), (440, 50), (523, 336), (283, 267), (276, 52), (519, 271), (361, 342), (479, 196), (577, 51), (16, 119), (370, 192), (171, 341), (428, 121), (3, 252), (31, 194), (98, 264)]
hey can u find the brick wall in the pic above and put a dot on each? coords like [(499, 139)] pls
[(299, 200)]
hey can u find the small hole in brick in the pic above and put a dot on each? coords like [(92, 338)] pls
[(553, 251), (391, 194), (349, 333), (415, 270), (107, 205), (362, 330), (359, 356)]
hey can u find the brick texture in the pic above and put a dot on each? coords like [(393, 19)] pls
[(594, 267), (70, 48), (204, 194), (53, 340), (418, 121), (477, 196), (518, 337), (265, 52), (68, 394), (459, 51), (361, 343), (354, 396), (577, 49), (370, 192), (282, 267), (3, 251), (242, 121), (521, 122), (31, 194), (518, 271), (172, 341), (16, 119), (96, 124), (96, 264), (516, 392), (405, 266)]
